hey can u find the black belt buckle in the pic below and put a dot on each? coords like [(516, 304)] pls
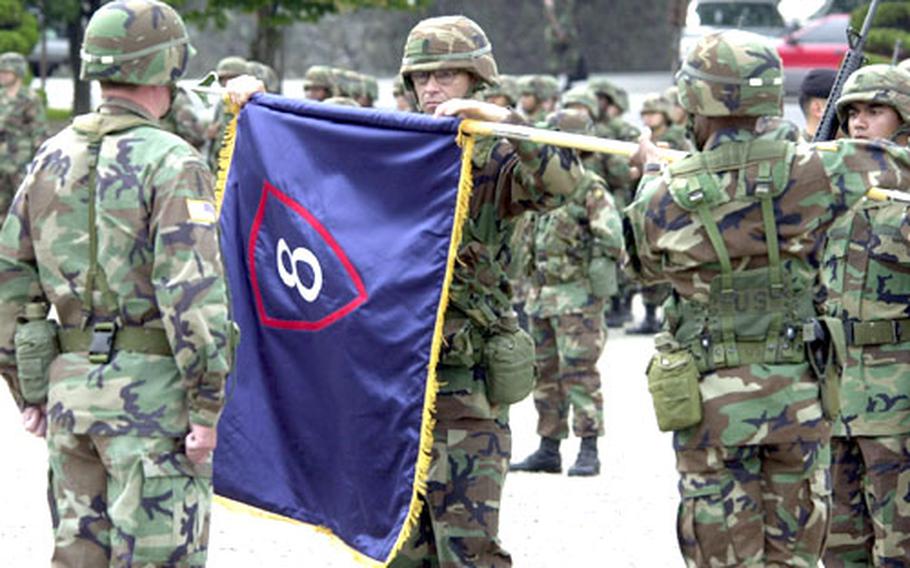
[(101, 347)]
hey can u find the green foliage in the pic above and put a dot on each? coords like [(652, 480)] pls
[(891, 24), (18, 27), (58, 115)]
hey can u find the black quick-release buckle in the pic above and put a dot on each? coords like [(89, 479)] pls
[(101, 347)]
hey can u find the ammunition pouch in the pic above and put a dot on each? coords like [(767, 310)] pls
[(508, 356), (826, 351), (603, 277), (876, 332), (105, 339), (36, 344), (673, 383)]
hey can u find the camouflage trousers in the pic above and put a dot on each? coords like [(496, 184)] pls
[(764, 505), (871, 519), (459, 521), (126, 501), (568, 347)]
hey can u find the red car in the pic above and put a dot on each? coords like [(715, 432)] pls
[(820, 43)]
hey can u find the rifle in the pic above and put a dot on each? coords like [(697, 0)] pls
[(853, 60)]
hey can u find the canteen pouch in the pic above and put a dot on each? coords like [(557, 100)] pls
[(673, 383), (37, 345), (509, 360), (602, 275), (826, 350)]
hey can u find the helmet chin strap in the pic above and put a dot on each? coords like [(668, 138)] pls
[(690, 131)]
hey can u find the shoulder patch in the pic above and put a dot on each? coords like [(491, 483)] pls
[(201, 212)]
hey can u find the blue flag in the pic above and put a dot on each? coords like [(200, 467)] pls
[(338, 230)]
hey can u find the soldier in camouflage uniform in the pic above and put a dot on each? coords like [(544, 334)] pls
[(505, 94), (655, 114), (266, 74), (367, 98), (537, 96), (575, 251), (735, 229), (182, 120), (619, 175), (446, 60), (317, 82), (404, 99), (227, 69), (866, 270), (23, 126), (115, 228), (561, 36), (678, 114)]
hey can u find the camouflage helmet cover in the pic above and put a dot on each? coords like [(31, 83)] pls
[(140, 42), (672, 95), (732, 73), (266, 74), (14, 63), (371, 86), (617, 95), (883, 84), (507, 87), (544, 87), (345, 83), (581, 96), (232, 66), (317, 76), (449, 42), (569, 120), (655, 102)]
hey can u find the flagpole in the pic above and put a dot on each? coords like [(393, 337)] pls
[(563, 139)]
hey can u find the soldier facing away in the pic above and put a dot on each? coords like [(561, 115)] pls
[(575, 250), (23, 126), (866, 271), (115, 227), (735, 229), (487, 360)]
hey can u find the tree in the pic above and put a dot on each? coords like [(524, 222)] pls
[(272, 16), (890, 29), (18, 28), (72, 16)]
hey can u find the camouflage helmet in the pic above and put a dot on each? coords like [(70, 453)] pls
[(605, 88), (232, 66), (543, 87), (581, 96), (345, 83), (266, 74), (140, 42), (507, 87), (398, 87), (732, 73), (569, 120), (449, 42), (370, 86), (317, 76), (672, 95), (14, 62), (655, 102), (883, 84)]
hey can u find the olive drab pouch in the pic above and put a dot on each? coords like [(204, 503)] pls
[(508, 356), (826, 349), (603, 277), (673, 384), (37, 345)]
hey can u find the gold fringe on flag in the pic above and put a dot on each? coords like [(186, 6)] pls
[(226, 153)]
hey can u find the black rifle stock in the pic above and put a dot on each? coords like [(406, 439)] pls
[(853, 60)]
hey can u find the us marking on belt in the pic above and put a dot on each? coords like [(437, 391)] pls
[(291, 278)]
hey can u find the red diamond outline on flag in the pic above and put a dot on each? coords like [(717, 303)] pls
[(267, 190)]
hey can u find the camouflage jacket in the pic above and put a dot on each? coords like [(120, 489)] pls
[(564, 241), (615, 170), (674, 137), (866, 273), (221, 121), (509, 179), (23, 127), (757, 403), (564, 14), (157, 244), (182, 120)]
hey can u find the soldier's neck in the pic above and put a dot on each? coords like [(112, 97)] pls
[(13, 89)]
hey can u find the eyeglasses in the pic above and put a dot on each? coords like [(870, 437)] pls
[(444, 77)]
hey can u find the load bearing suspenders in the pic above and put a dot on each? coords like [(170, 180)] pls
[(763, 190)]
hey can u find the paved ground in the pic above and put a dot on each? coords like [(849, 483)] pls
[(625, 517)]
